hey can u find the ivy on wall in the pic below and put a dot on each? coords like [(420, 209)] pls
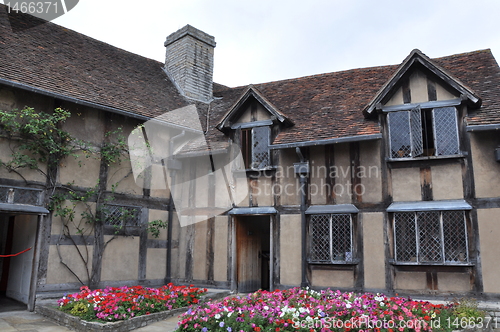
[(38, 142)]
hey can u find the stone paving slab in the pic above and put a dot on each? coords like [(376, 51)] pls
[(13, 321)]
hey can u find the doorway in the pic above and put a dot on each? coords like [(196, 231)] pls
[(253, 253), (17, 233)]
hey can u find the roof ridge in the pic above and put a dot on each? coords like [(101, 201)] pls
[(66, 29), (300, 78)]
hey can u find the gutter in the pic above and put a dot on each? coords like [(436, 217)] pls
[(483, 127), (86, 103), (171, 210), (302, 170), (327, 141)]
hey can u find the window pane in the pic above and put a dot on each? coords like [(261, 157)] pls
[(455, 243), (399, 133), (246, 147), (260, 147), (115, 215), (320, 238), (445, 131), (429, 232), (417, 144), (341, 237), (406, 245)]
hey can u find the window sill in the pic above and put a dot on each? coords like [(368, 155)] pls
[(123, 231), (426, 158), (254, 171), (352, 262), (430, 263)]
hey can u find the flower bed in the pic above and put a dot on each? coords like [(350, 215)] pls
[(122, 303), (307, 310)]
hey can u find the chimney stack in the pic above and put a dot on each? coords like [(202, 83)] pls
[(189, 62)]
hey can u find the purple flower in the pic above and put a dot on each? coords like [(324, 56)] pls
[(221, 324)]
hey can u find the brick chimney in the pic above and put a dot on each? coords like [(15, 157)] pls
[(190, 62)]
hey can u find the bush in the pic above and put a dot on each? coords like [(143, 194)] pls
[(120, 303)]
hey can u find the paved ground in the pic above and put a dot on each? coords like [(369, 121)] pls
[(22, 320)]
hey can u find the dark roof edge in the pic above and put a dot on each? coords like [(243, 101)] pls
[(484, 127), (22, 208), (327, 141), (71, 99), (87, 103)]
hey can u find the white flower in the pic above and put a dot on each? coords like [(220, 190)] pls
[(348, 305), (266, 307), (217, 316)]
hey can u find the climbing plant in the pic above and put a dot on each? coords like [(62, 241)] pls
[(39, 142)]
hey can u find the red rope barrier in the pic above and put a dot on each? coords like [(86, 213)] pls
[(19, 253)]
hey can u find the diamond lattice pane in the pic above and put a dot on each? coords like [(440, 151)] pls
[(320, 238), (27, 196), (445, 131), (406, 245), (260, 147), (116, 215), (417, 143), (455, 242), (341, 237), (400, 134), (429, 233)]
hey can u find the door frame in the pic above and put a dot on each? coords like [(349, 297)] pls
[(234, 253)]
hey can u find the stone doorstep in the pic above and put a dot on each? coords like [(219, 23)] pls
[(49, 310)]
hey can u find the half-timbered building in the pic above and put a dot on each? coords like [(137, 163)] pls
[(379, 179)]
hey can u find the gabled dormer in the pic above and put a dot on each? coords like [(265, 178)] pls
[(253, 122), (422, 106)]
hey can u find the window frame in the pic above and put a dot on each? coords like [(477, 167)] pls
[(250, 147), (419, 133), (444, 254), (332, 256), (124, 228)]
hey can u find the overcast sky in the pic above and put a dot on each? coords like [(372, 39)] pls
[(268, 40)]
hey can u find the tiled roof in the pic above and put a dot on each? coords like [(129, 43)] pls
[(327, 106), (478, 70), (64, 62)]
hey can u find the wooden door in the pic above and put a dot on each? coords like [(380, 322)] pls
[(248, 255)]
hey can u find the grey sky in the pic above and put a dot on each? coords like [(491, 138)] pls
[(265, 40)]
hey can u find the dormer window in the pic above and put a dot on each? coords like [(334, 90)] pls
[(255, 147), (422, 132)]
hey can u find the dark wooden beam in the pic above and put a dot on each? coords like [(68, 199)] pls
[(356, 187), (330, 180), (431, 90), (426, 183), (406, 91)]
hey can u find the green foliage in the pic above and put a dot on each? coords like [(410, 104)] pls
[(468, 307), (40, 137), (42, 144), (154, 227), (111, 152)]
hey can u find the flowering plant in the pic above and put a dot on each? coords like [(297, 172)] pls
[(120, 303), (307, 310)]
